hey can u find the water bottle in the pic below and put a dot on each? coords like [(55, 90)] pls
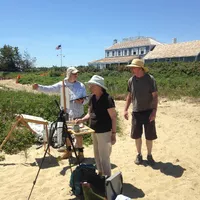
[(71, 116), (59, 132)]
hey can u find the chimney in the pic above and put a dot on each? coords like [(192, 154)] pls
[(174, 40), (114, 41)]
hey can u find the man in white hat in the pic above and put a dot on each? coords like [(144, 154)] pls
[(142, 92), (78, 92)]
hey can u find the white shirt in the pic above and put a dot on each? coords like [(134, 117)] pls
[(77, 90)]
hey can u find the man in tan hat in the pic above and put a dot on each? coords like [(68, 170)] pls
[(142, 92), (77, 100)]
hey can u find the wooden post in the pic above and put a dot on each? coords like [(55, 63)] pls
[(64, 97)]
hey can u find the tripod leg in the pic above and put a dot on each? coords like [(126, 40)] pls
[(34, 182), (72, 144)]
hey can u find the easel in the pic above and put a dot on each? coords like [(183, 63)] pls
[(24, 119)]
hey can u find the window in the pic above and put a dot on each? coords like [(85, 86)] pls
[(125, 52), (113, 53), (107, 53), (130, 52), (119, 53)]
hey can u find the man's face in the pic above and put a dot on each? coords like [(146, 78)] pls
[(135, 70), (74, 76)]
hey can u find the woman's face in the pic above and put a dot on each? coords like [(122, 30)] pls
[(94, 89), (91, 87)]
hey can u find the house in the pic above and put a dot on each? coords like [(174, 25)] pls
[(183, 51), (122, 53)]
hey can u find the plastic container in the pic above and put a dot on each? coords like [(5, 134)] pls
[(59, 132), (71, 116)]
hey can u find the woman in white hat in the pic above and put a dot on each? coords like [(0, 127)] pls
[(77, 91), (102, 116)]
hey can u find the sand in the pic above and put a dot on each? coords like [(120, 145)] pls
[(176, 174)]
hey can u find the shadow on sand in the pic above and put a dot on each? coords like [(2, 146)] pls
[(48, 162), (132, 192), (168, 168)]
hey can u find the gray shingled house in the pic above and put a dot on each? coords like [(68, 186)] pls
[(183, 51)]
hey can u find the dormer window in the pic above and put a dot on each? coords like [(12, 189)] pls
[(107, 53)]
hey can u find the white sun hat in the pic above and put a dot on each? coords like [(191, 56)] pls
[(97, 80)]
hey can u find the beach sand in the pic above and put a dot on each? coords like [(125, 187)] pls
[(176, 174)]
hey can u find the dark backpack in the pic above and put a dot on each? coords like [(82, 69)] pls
[(57, 134), (86, 173)]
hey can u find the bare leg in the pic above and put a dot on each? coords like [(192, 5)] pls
[(138, 143), (149, 144), (79, 141), (68, 142)]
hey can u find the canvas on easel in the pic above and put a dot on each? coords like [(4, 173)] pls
[(25, 119)]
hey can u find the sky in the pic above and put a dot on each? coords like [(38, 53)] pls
[(85, 28)]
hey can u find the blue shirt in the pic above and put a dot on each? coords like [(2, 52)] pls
[(76, 90)]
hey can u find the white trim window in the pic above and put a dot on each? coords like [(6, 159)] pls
[(130, 52), (119, 53), (125, 52)]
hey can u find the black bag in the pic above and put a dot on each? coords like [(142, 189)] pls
[(57, 134), (86, 173)]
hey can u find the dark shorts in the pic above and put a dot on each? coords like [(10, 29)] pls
[(140, 119)]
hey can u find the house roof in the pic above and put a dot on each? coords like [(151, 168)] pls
[(183, 49), (138, 42), (118, 59)]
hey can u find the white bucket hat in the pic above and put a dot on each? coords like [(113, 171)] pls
[(97, 80), (71, 70)]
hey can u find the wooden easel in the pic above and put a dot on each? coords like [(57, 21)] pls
[(24, 119)]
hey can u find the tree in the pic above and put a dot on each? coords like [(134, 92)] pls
[(27, 62), (11, 60)]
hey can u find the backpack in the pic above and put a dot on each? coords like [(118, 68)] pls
[(57, 134), (86, 173)]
